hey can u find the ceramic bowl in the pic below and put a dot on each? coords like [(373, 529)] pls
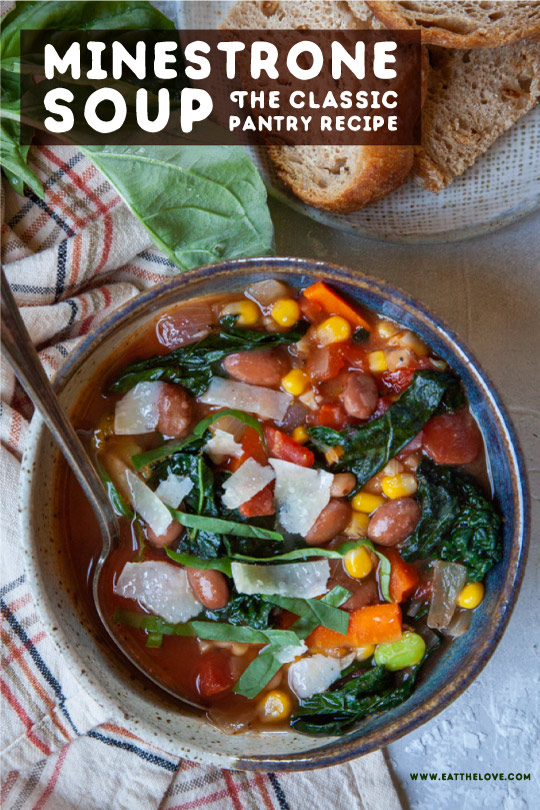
[(169, 723)]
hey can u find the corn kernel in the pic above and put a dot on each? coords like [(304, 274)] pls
[(333, 330), (248, 312), (385, 329), (333, 454), (285, 312), (366, 502), (401, 485), (363, 653), (295, 382), (300, 435), (275, 706), (358, 525), (377, 362), (471, 595), (358, 562)]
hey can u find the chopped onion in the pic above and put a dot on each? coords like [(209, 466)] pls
[(304, 579), (229, 424), (448, 581), (460, 624), (222, 445), (160, 587), (243, 484), (137, 411), (174, 489), (301, 494), (185, 325), (309, 676), (147, 504), (268, 291), (251, 398)]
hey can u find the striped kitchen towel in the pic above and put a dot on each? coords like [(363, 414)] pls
[(70, 260)]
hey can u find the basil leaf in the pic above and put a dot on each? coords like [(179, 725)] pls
[(119, 505), (222, 564), (213, 631), (367, 449), (312, 609), (242, 416), (385, 567), (220, 526)]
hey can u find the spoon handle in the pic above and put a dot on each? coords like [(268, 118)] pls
[(23, 358)]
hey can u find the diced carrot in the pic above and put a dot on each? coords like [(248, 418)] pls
[(373, 624), (262, 503), (252, 447), (403, 578), (286, 448), (334, 304)]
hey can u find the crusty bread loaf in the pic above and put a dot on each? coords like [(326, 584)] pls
[(301, 14), (473, 97), (459, 23), (335, 178)]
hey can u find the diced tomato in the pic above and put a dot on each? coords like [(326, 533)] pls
[(311, 310), (252, 447), (331, 415), (398, 380), (286, 619), (355, 357), (284, 447), (452, 438), (215, 674), (403, 577), (326, 363), (261, 504), (423, 590)]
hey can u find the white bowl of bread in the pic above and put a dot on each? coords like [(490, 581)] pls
[(477, 167)]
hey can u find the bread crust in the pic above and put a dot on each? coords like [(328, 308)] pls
[(388, 12), (378, 171)]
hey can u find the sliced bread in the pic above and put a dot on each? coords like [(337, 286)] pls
[(335, 178), (459, 23), (473, 97)]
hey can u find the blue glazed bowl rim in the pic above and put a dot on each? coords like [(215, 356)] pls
[(342, 749)]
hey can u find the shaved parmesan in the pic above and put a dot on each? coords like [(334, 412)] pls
[(161, 588), (287, 654), (147, 504), (173, 489), (303, 579), (249, 479), (301, 494), (222, 445), (309, 676), (251, 398), (137, 411)]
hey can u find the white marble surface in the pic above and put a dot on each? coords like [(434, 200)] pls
[(488, 290)]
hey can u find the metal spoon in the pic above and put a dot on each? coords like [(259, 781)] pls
[(22, 356)]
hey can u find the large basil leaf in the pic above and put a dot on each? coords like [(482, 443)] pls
[(458, 523), (200, 204), (368, 448)]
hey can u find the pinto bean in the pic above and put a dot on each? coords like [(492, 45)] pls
[(168, 537), (363, 591), (257, 367), (360, 395), (394, 521), (209, 586), (342, 485), (331, 522), (175, 411)]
